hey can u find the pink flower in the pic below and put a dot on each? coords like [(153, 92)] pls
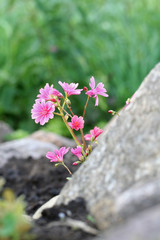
[(94, 134), (58, 155), (48, 93), (42, 111), (99, 90), (70, 89), (77, 123), (77, 151)]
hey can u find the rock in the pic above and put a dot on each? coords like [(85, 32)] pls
[(126, 159), (143, 226), (23, 149), (47, 205), (58, 140), (5, 129)]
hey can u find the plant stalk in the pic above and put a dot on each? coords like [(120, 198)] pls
[(67, 168), (83, 140), (85, 106), (70, 109)]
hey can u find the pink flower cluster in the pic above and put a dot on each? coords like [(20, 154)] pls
[(58, 157), (42, 111), (51, 102)]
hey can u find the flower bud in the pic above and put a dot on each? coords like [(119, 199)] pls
[(87, 151), (75, 164), (85, 89), (128, 101), (92, 139), (68, 101), (53, 100), (110, 111), (81, 158), (57, 164), (66, 117)]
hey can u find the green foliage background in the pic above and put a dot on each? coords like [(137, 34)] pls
[(118, 42)]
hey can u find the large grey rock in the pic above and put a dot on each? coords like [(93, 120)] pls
[(54, 138), (126, 159), (23, 149), (144, 226), (5, 129)]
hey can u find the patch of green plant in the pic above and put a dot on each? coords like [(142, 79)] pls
[(91, 219), (14, 225), (17, 134)]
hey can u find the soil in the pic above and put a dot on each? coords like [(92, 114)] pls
[(38, 181)]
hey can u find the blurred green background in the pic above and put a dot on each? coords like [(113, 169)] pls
[(46, 41)]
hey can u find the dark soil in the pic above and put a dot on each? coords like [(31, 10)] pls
[(38, 181), (76, 210)]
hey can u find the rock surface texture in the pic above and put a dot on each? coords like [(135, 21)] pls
[(121, 177), (23, 149), (143, 226), (54, 138)]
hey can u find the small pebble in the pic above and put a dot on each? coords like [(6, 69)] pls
[(61, 215)]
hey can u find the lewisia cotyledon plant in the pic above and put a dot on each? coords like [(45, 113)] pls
[(51, 102)]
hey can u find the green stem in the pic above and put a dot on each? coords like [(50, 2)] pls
[(57, 114), (84, 155), (85, 106), (64, 103), (70, 110), (83, 140), (67, 168), (90, 148), (64, 100), (67, 113)]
